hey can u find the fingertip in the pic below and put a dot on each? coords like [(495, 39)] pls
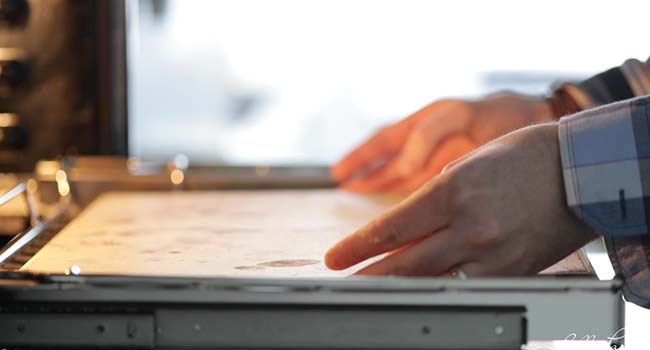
[(341, 255), (338, 172), (332, 260)]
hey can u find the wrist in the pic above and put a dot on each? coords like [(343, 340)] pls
[(544, 111), (562, 102)]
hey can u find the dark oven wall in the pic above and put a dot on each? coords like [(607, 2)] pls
[(56, 95)]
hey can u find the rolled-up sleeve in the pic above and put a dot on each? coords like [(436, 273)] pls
[(605, 156)]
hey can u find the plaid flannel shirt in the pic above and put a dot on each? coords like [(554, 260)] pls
[(605, 152)]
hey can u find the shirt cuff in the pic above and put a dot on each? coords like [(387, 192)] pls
[(626, 81), (605, 156), (630, 260)]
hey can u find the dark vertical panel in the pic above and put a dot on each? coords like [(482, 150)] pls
[(112, 80), (74, 101)]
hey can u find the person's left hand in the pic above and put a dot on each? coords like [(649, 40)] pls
[(499, 211), (401, 157)]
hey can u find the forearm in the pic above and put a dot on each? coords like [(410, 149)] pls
[(629, 80)]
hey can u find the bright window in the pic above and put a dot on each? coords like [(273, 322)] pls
[(297, 81)]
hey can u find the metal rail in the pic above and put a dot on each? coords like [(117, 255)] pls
[(38, 224)]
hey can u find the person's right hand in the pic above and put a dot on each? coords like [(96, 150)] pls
[(500, 211), (403, 156)]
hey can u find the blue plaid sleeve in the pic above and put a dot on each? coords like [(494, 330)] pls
[(631, 79), (605, 154)]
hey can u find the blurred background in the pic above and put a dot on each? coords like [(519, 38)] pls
[(275, 82), (293, 81)]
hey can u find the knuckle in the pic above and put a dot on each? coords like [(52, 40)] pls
[(463, 183), (469, 171), (406, 166), (453, 187), (418, 139), (485, 235), (388, 232), (459, 106), (421, 138)]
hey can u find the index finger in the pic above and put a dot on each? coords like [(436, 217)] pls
[(423, 213)]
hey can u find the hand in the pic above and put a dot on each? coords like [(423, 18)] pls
[(403, 156), (499, 211)]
